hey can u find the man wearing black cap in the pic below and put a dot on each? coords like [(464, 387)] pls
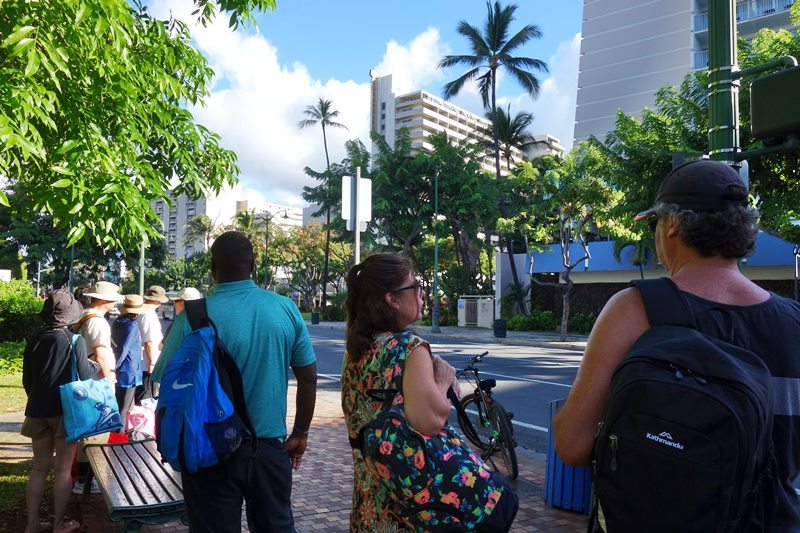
[(703, 225)]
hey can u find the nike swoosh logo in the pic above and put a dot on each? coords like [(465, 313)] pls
[(179, 386)]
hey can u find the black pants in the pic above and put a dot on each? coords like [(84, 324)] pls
[(503, 515), (264, 481), (148, 389), (124, 401)]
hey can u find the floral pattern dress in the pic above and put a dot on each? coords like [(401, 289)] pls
[(375, 370), (381, 368)]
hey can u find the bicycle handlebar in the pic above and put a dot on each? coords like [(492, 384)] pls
[(471, 365)]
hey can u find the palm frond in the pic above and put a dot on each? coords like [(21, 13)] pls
[(528, 33), (454, 87)]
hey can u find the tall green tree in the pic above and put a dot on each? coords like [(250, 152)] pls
[(493, 49), (324, 114), (93, 118), (571, 202), (512, 131)]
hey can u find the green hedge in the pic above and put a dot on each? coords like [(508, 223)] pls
[(19, 311), (582, 322), (335, 311), (538, 320), (11, 357)]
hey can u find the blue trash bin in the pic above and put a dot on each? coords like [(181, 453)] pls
[(566, 487)]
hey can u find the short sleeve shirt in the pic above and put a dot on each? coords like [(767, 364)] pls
[(150, 330), (95, 331), (266, 335)]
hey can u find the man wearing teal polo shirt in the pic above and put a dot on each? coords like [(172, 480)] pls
[(267, 336)]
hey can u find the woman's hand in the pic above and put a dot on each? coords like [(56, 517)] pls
[(443, 372)]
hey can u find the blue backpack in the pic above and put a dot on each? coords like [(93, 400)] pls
[(201, 416), (127, 344)]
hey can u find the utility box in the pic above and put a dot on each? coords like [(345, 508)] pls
[(775, 105), (485, 312)]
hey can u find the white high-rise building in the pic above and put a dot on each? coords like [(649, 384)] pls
[(630, 49), (424, 114)]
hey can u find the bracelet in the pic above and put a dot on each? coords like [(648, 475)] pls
[(297, 430)]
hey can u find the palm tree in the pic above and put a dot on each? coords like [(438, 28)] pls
[(324, 114), (512, 132), (491, 50), (200, 227)]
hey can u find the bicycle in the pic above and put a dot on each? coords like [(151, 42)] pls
[(484, 421)]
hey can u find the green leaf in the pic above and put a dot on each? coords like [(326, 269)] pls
[(3, 199), (61, 184), (22, 46), (62, 170), (75, 209), (18, 35), (33, 63)]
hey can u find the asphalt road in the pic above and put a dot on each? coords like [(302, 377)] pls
[(528, 378)]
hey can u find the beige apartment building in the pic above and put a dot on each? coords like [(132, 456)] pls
[(424, 114), (630, 49)]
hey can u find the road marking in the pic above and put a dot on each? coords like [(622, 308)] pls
[(334, 377), (527, 379), (515, 422)]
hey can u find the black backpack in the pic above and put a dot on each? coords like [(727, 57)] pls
[(686, 440)]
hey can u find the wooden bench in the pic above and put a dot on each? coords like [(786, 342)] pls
[(137, 486)]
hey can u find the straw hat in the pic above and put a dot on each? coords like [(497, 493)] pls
[(134, 305), (104, 290), (187, 293), (156, 293)]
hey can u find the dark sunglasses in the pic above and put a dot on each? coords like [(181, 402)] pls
[(652, 222), (416, 286)]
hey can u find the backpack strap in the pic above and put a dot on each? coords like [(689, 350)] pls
[(664, 303), (76, 327), (197, 313)]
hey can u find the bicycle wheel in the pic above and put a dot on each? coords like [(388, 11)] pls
[(475, 423), (505, 443)]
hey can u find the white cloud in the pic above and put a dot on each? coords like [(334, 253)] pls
[(257, 102), (416, 65), (554, 109)]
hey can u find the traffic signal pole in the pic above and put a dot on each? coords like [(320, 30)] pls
[(723, 86)]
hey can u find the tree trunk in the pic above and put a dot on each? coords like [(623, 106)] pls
[(565, 311), (324, 301), (509, 242)]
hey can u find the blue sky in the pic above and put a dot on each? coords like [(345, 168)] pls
[(307, 49)]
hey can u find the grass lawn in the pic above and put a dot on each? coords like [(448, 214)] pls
[(306, 316), (13, 477), (12, 395)]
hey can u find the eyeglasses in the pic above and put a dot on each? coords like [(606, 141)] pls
[(652, 222), (416, 286)]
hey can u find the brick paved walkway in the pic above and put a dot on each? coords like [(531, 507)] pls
[(322, 486)]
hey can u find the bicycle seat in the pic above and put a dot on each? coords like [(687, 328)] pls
[(488, 384)]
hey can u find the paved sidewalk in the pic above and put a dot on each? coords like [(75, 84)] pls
[(323, 485)]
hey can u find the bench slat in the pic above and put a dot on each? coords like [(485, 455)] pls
[(106, 469), (169, 479), (151, 488)]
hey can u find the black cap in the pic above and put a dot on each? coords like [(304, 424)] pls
[(61, 309), (701, 186)]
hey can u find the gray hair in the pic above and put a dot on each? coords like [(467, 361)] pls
[(729, 232)]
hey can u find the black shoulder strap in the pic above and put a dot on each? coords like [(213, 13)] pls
[(664, 303), (196, 312)]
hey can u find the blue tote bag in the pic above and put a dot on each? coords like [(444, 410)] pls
[(89, 405)]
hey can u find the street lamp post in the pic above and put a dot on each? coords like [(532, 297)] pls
[(435, 313), (796, 252)]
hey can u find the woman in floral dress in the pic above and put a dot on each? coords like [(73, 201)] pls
[(383, 300)]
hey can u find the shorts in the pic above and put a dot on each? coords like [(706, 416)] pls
[(43, 427)]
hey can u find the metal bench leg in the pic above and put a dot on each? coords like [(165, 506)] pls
[(131, 526)]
